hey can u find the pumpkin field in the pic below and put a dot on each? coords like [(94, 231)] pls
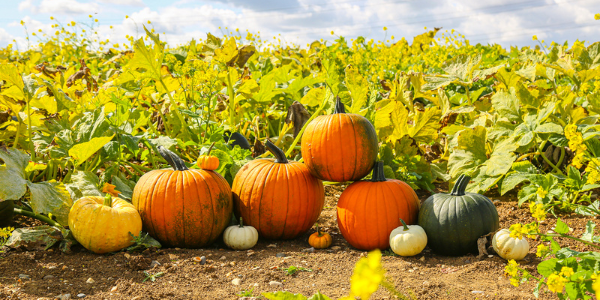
[(241, 167)]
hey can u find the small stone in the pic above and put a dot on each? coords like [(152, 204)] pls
[(426, 283), (173, 257), (272, 246), (250, 253), (336, 248), (47, 277), (24, 276), (154, 263), (490, 256), (197, 259), (223, 257), (202, 260), (477, 292), (275, 283), (274, 268), (90, 280), (236, 281), (411, 270), (222, 265), (255, 284), (229, 274), (64, 297), (280, 254), (496, 201), (82, 295), (422, 258), (127, 255), (232, 263), (309, 250), (311, 275), (114, 289), (467, 261)]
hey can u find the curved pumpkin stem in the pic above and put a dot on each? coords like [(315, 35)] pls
[(241, 222), (279, 155), (404, 224), (460, 185), (319, 231), (174, 161), (108, 200), (378, 173), (210, 148), (339, 106)]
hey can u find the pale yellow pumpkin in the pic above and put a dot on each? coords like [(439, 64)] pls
[(408, 240), (104, 224), (240, 237), (508, 247)]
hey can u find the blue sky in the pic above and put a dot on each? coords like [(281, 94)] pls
[(506, 22)]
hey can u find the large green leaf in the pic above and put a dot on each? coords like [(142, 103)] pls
[(51, 197), (147, 59), (507, 105), (358, 87), (12, 174), (84, 183), (81, 152), (501, 158), (470, 151)]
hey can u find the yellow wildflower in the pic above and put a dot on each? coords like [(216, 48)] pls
[(537, 211), (566, 272), (556, 283), (541, 193), (535, 37), (597, 17), (542, 250), (596, 285), (512, 268)]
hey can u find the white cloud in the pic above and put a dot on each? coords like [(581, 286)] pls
[(124, 2), (67, 7)]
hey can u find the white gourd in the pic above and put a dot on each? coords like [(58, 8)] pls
[(508, 247), (240, 237), (408, 240)]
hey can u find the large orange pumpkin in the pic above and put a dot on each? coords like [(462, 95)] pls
[(368, 211), (280, 198), (339, 147), (182, 207)]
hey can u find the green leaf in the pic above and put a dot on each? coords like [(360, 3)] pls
[(501, 158), (51, 197), (588, 235), (561, 227), (81, 152), (283, 296), (149, 60), (34, 238), (313, 98), (10, 74), (12, 174), (547, 267), (549, 128), (507, 105), (426, 125), (124, 186), (358, 87), (319, 296), (512, 180), (470, 151), (84, 183)]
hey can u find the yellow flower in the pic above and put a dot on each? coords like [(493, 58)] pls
[(110, 189), (597, 17), (537, 211), (384, 28), (541, 192), (542, 250), (556, 283), (368, 274), (566, 272), (512, 268), (149, 22), (535, 38), (51, 18), (22, 23), (596, 285), (332, 32), (514, 282), (126, 17)]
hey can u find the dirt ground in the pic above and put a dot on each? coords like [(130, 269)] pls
[(82, 274)]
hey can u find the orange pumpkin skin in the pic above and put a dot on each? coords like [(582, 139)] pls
[(368, 211), (182, 207), (320, 240), (339, 147), (208, 162), (281, 199)]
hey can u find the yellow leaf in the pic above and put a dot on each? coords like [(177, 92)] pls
[(81, 152), (228, 52)]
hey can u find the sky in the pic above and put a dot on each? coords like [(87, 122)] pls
[(505, 22)]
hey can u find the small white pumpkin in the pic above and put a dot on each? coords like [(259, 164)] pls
[(240, 237), (408, 240), (508, 247)]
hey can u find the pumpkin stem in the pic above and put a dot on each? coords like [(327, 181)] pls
[(404, 224), (241, 222), (279, 155), (174, 161), (319, 231), (108, 200), (460, 185), (378, 173), (210, 148), (339, 106)]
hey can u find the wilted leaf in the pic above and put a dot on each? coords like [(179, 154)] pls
[(51, 197), (298, 115), (34, 238), (12, 174), (244, 54)]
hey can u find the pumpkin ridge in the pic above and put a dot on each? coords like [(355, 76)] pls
[(327, 151), (167, 195), (294, 190), (251, 176), (196, 178), (340, 150), (184, 220), (223, 206), (212, 206), (312, 199), (369, 213), (262, 195), (149, 203), (316, 136), (467, 203), (352, 145), (383, 206), (243, 190)]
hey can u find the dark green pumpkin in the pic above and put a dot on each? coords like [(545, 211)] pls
[(453, 222), (6, 212)]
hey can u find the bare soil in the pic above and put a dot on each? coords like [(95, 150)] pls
[(119, 276)]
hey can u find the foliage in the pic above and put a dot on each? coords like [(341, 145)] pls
[(152, 277), (568, 273), (5, 234), (291, 270)]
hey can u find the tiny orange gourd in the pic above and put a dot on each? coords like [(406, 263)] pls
[(320, 240), (208, 162)]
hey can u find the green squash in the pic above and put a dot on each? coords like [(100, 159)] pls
[(6, 212), (453, 222)]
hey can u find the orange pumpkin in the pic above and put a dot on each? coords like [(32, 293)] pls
[(182, 207), (368, 211), (320, 240), (339, 147), (208, 162), (277, 197)]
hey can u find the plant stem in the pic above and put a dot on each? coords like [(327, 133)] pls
[(18, 132), (36, 216), (231, 98), (569, 237), (297, 139), (160, 110), (31, 148)]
